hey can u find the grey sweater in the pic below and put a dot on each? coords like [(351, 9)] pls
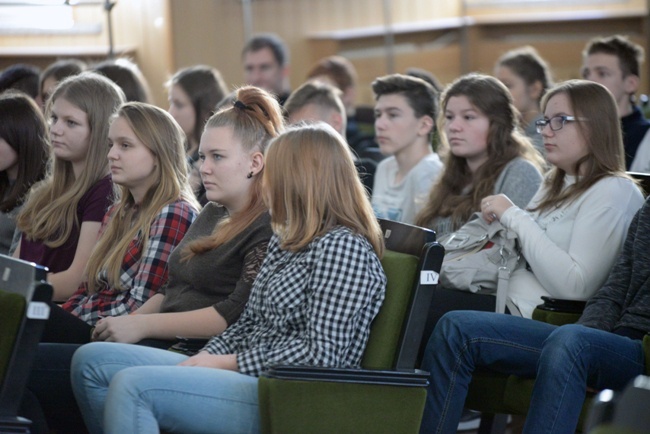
[(519, 180), (221, 277), (624, 300)]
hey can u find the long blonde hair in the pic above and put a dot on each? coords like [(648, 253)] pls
[(159, 132), (256, 118), (597, 120), (504, 143), (311, 186), (50, 212)]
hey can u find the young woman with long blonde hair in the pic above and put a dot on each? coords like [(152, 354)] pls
[(62, 215), (155, 208), (128, 266), (312, 303)]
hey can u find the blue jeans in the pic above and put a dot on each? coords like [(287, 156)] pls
[(564, 360), (123, 388)]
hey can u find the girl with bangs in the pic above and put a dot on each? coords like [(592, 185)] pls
[(155, 208), (486, 154), (62, 215), (24, 152), (319, 288)]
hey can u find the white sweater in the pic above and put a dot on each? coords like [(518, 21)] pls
[(571, 249)]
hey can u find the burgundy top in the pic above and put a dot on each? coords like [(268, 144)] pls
[(91, 208)]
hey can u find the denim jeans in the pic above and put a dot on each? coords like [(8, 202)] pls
[(564, 360), (125, 388)]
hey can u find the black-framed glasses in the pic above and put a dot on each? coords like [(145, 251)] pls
[(556, 122)]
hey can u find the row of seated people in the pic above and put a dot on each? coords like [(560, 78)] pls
[(152, 205), (231, 143), (411, 170)]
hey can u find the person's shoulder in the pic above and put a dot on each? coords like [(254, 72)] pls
[(432, 161), (616, 189), (258, 230), (387, 163), (180, 208), (102, 188), (342, 238), (521, 163), (621, 183), (212, 210), (521, 167)]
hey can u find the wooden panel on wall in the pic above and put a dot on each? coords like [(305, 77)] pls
[(211, 31), (141, 30), (559, 42)]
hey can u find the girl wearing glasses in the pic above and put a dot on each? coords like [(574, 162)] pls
[(572, 230), (487, 155), (570, 235)]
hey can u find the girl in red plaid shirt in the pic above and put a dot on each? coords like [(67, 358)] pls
[(155, 208)]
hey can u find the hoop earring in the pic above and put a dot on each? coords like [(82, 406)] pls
[(250, 175)]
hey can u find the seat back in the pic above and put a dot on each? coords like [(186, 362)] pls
[(412, 265), (24, 308)]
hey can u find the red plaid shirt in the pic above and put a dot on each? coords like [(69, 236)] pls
[(144, 271)]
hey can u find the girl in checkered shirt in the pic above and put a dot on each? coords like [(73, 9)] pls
[(156, 206), (319, 288)]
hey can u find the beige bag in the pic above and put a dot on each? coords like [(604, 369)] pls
[(479, 257)]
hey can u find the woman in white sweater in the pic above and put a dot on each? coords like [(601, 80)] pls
[(573, 229)]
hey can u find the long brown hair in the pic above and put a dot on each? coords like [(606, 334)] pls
[(448, 196), (205, 87), (597, 120), (255, 120), (159, 132), (311, 186), (24, 129), (50, 212)]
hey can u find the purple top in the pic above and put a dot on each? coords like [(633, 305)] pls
[(91, 208)]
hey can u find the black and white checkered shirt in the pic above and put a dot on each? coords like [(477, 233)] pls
[(313, 307)]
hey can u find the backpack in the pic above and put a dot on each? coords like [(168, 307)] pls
[(479, 258)]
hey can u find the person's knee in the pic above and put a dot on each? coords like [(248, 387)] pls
[(566, 343), (89, 352), (126, 382), (449, 331), (85, 361), (81, 359)]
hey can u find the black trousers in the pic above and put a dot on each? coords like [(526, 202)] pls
[(65, 328)]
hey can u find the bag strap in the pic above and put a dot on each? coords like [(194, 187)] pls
[(502, 289), (503, 277)]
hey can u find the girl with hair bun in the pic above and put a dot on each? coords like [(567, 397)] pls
[(229, 238), (210, 272)]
